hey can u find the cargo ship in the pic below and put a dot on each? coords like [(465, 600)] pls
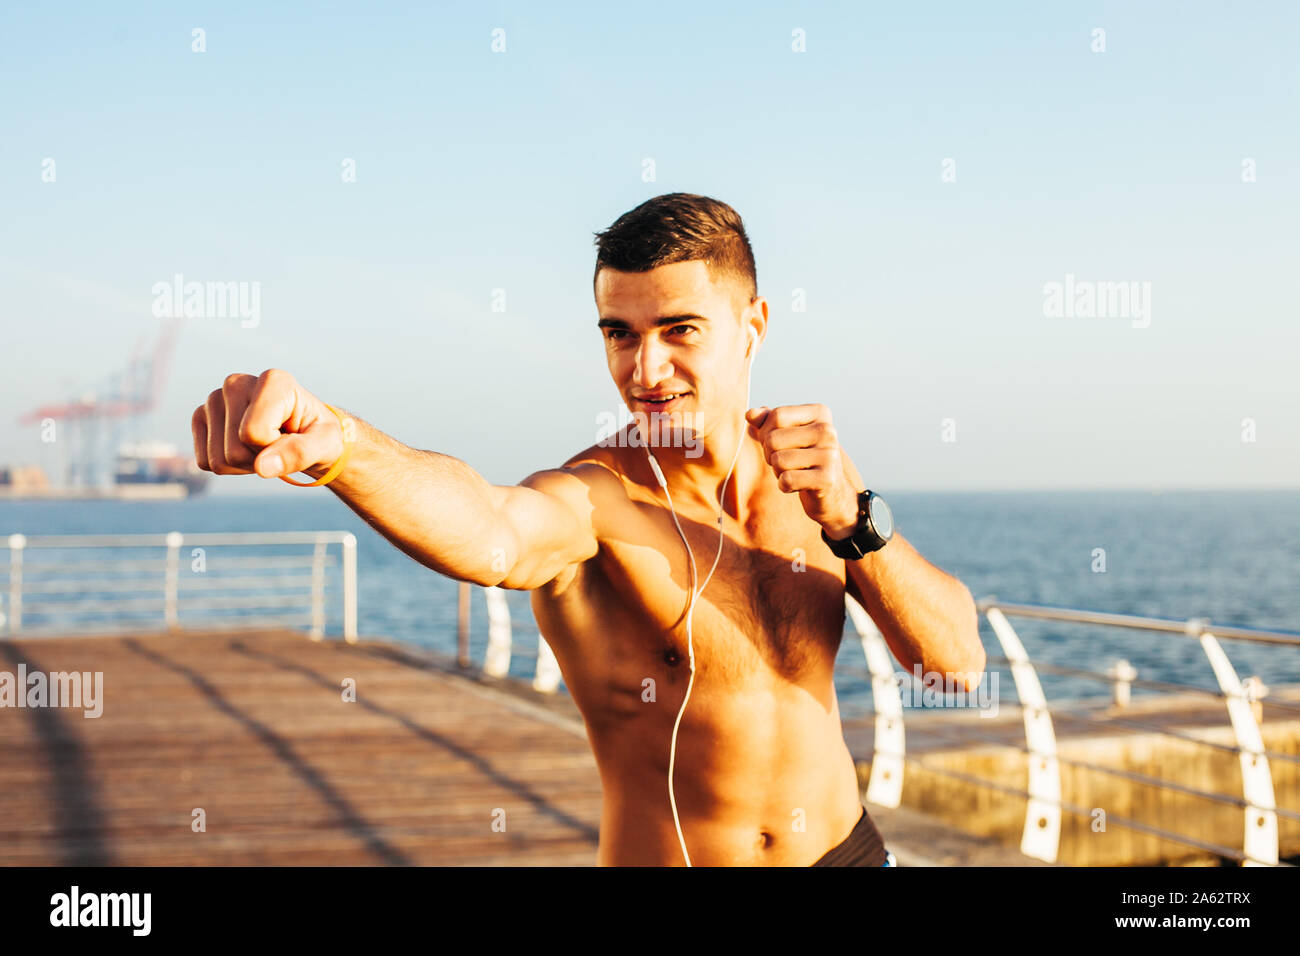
[(141, 471)]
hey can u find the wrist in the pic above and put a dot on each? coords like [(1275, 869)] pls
[(327, 472), (872, 531), (845, 524), (839, 531)]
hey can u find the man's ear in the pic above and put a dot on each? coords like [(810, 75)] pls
[(749, 313)]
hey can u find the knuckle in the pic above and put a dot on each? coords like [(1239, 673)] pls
[(254, 428), (235, 380), (238, 456)]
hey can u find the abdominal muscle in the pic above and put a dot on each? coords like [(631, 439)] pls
[(762, 778)]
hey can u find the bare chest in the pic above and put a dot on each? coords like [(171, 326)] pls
[(774, 597)]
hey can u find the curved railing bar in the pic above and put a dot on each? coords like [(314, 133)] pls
[(885, 786), (1261, 838), (1042, 834)]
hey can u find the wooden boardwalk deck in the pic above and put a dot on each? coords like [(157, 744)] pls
[(252, 729)]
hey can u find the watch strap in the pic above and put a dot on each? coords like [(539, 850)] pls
[(864, 539)]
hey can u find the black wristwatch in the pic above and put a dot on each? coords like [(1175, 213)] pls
[(874, 529)]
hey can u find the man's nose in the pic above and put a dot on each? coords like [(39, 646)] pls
[(653, 364)]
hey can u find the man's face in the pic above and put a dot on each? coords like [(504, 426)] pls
[(675, 341)]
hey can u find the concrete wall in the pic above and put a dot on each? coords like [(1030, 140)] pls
[(986, 812)]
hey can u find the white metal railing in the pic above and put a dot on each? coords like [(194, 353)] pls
[(140, 578), (1042, 828)]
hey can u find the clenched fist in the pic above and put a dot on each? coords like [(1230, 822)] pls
[(264, 424), (803, 451)]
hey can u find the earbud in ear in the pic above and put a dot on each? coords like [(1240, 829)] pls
[(753, 341)]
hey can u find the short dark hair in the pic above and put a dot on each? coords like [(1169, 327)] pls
[(679, 227)]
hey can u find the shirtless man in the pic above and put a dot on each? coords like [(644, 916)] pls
[(762, 775)]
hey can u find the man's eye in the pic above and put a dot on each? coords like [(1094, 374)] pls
[(614, 333), (688, 328)]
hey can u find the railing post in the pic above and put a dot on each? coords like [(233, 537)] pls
[(547, 677), (350, 588), (172, 586), (1255, 690), (16, 544), (1122, 673), (1042, 836), (462, 624), (318, 589), (885, 788), (1260, 841), (496, 661)]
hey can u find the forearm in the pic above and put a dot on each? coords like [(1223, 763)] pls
[(926, 616), (433, 507)]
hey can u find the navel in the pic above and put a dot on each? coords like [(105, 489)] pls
[(672, 658)]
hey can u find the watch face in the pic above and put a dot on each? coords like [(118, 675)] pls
[(882, 519)]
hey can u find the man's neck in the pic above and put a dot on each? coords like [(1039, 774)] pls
[(697, 471)]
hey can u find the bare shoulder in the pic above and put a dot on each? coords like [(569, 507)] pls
[(591, 483)]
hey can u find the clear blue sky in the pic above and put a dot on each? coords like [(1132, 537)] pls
[(479, 170)]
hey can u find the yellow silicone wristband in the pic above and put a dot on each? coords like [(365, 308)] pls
[(335, 468)]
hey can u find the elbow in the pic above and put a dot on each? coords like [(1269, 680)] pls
[(976, 659), (495, 571), (963, 660), (496, 561), (487, 580), (975, 673)]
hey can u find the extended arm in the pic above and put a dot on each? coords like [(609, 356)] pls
[(435, 508)]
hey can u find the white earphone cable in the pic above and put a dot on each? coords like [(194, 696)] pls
[(690, 608)]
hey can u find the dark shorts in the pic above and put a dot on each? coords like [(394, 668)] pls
[(863, 847)]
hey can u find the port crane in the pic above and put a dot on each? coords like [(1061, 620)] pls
[(84, 424)]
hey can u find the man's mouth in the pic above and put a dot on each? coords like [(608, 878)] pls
[(660, 401)]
